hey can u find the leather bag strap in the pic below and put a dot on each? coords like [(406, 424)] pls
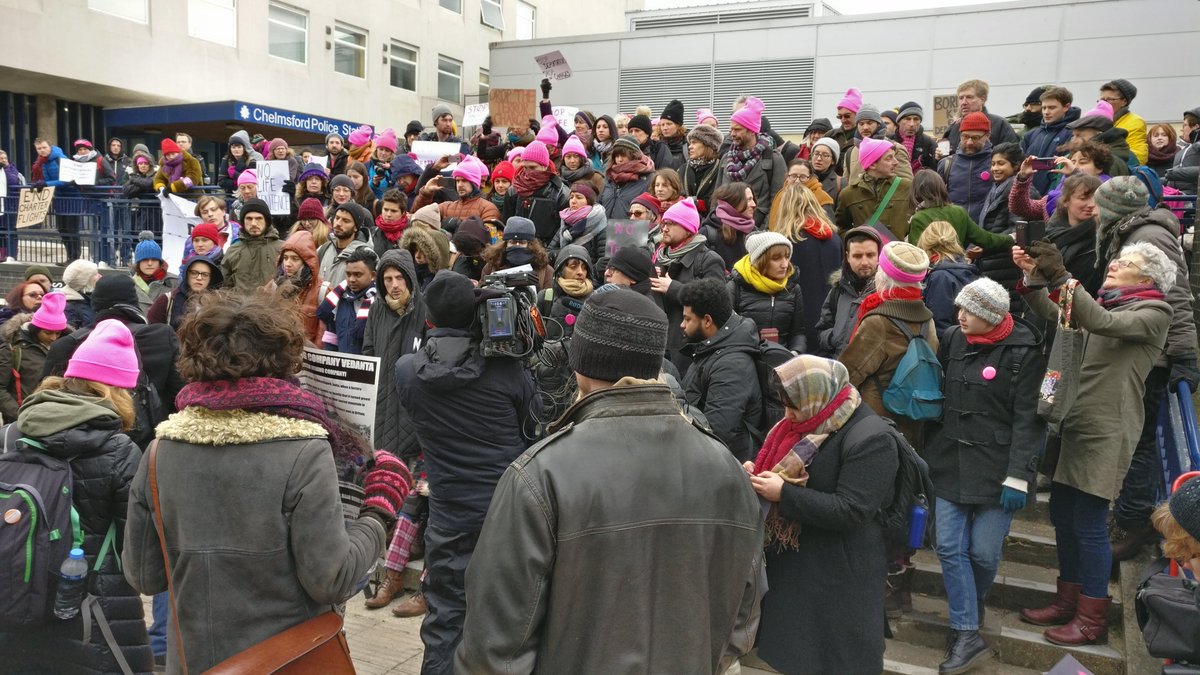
[(162, 542)]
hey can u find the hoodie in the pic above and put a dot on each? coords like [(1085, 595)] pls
[(307, 297), (169, 307)]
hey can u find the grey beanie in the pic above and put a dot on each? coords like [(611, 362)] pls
[(334, 134), (619, 334), (1120, 197), (831, 144), (706, 134), (520, 229), (628, 144), (1128, 91), (1185, 506), (869, 112), (985, 299), (441, 109), (911, 108), (342, 180)]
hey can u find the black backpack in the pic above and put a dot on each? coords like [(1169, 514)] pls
[(768, 357), (912, 486)]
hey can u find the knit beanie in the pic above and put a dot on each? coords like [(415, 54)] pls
[(759, 243), (909, 109), (1120, 197), (537, 153), (640, 122), (471, 170), (430, 214), (51, 315), (332, 134), (750, 116), (821, 124), (868, 112), (113, 290), (574, 146), (619, 334), (34, 270), (387, 140), (650, 202), (585, 188), (985, 299), (360, 136), (147, 249), (871, 149), (450, 300), (273, 145), (1184, 505), (832, 145), (504, 170), (341, 180), (976, 121), (1035, 96), (706, 135), (904, 263), (439, 110), (257, 206), (311, 209), (1128, 91), (515, 154), (891, 115), (704, 115), (471, 236), (673, 112), (413, 128), (80, 275), (548, 134), (684, 214), (629, 144), (107, 356), (519, 229), (634, 262), (588, 118), (852, 101), (1102, 109), (247, 176), (169, 146), (312, 169), (207, 231)]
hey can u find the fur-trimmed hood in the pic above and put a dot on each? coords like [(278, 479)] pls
[(13, 326), (433, 244), (201, 426)]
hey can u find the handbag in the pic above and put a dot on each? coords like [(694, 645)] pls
[(1060, 385), (314, 646), (1168, 612)]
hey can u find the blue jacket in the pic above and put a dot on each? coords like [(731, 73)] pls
[(1042, 141), (344, 312), (50, 168), (964, 176), (945, 280), (403, 165)]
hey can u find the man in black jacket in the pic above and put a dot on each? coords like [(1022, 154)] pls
[(851, 284), (584, 538), (972, 97), (471, 416)]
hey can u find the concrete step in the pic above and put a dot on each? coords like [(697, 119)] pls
[(1037, 511), (1017, 585), (1013, 643), (1031, 544), (902, 658)]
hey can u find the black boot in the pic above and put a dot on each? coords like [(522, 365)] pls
[(965, 651)]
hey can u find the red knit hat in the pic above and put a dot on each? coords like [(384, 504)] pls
[(310, 209), (504, 170), (650, 202), (168, 146), (976, 121), (208, 231)]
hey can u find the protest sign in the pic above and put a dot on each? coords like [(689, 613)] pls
[(565, 115), (512, 107), (474, 114), (347, 383), (3, 190), (945, 111), (33, 205), (271, 176), (427, 152), (319, 160), (622, 233), (82, 173), (553, 65), (178, 216)]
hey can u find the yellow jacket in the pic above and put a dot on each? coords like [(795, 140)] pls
[(1136, 126)]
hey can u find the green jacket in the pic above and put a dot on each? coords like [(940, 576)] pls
[(250, 262), (856, 203), (968, 232)]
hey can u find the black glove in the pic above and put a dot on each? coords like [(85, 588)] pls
[(546, 87), (1048, 260), (487, 126), (1183, 369)]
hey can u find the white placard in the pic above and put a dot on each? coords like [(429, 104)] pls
[(474, 114), (565, 115), (319, 160), (427, 152), (347, 383), (271, 176), (3, 189), (553, 65), (179, 215), (82, 173)]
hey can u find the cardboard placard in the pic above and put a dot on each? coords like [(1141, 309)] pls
[(622, 233), (553, 65), (33, 205), (512, 107), (82, 173), (271, 176), (945, 111), (474, 114)]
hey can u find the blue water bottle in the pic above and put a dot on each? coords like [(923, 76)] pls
[(917, 517), (71, 582)]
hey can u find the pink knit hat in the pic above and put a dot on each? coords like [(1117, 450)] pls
[(548, 134), (50, 316), (107, 356), (684, 214), (536, 152), (248, 176), (750, 116), (705, 114), (870, 150), (387, 140), (360, 136), (515, 154), (1102, 109), (574, 145), (470, 169), (852, 101)]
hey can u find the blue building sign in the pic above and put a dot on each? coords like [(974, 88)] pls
[(225, 111), (286, 119)]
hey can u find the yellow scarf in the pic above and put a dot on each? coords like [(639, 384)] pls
[(761, 282)]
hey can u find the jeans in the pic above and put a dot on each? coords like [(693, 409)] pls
[(1081, 533), (970, 542), (158, 630), (1139, 491), (447, 554)]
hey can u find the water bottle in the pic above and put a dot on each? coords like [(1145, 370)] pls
[(71, 585), (917, 516)]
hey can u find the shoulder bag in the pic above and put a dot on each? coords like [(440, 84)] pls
[(1060, 385)]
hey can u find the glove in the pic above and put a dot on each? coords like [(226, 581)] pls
[(1183, 369), (487, 126), (387, 483), (1048, 260), (1012, 499), (39, 185), (187, 182), (546, 87)]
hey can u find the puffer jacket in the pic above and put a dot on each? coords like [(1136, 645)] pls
[(390, 335), (522, 584), (965, 179), (1043, 141), (783, 311), (945, 279), (616, 198), (722, 384), (87, 429), (594, 238), (18, 345)]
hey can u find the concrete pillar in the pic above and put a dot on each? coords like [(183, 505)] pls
[(47, 118)]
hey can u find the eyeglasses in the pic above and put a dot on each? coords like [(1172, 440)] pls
[(1121, 264), (35, 294), (1110, 99), (845, 116), (193, 274), (822, 155), (796, 177)]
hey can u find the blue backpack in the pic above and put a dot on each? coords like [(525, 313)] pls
[(1152, 182), (916, 387)]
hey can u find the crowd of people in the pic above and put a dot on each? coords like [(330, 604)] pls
[(708, 429)]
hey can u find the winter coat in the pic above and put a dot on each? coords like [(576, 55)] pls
[(699, 263), (1184, 174), (616, 198), (169, 308), (856, 202), (815, 262), (852, 170), (391, 335), (88, 430), (658, 153), (1135, 126), (718, 384), (469, 413), (710, 227), (677, 152), (700, 184), (191, 169), (783, 311), (823, 611), (138, 185), (333, 262), (702, 528), (764, 179), (252, 518), (990, 430), (541, 207), (831, 182), (838, 313), (1103, 425), (924, 148), (79, 310), (942, 284), (1123, 159), (344, 313), (1044, 140), (594, 238), (310, 297), (20, 349), (964, 226), (1002, 131), (995, 216), (461, 208), (968, 179), (875, 351), (148, 292), (250, 261), (433, 244)]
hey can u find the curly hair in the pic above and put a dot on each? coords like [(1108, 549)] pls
[(16, 297), (1098, 153), (228, 336), (493, 255), (1177, 543), (707, 297)]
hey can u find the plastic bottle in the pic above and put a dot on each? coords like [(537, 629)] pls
[(916, 524), (71, 584)]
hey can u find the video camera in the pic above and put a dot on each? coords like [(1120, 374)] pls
[(508, 315)]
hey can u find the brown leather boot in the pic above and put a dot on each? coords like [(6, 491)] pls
[(1058, 612), (1089, 627), (393, 584), (1127, 543), (414, 605)]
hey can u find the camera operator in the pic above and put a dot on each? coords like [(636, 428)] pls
[(469, 413)]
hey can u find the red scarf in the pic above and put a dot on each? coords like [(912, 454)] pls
[(37, 175), (528, 181), (1115, 297), (786, 434), (394, 229), (159, 275), (874, 300), (620, 173), (818, 228), (1001, 331)]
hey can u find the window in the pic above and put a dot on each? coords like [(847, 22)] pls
[(134, 10), (485, 85), (526, 21), (349, 50), (287, 33), (402, 60), (452, 5), (449, 79), (492, 13), (213, 20)]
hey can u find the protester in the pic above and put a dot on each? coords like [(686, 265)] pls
[(1089, 157), (348, 220), (564, 299), (929, 201), (1162, 147), (238, 159), (583, 224), (298, 280), (200, 275), (681, 258), (150, 273), (730, 220), (879, 190), (519, 246), (576, 165), (752, 159), (699, 173), (764, 289), (250, 261), (26, 340), (966, 171), (1053, 131), (79, 280), (972, 97), (86, 153), (1177, 522), (949, 273), (360, 188), (919, 146), (24, 298), (847, 110), (850, 286), (40, 275), (1183, 175), (468, 177), (868, 123), (816, 250), (627, 176), (1120, 94), (139, 182), (395, 327), (344, 309), (430, 250), (469, 240), (310, 217), (313, 183)]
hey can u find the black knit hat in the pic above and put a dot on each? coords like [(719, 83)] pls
[(641, 122), (257, 206), (1035, 96), (471, 236), (673, 112), (450, 301), (821, 124), (414, 127), (619, 334), (1185, 506), (634, 262), (1128, 91), (114, 289)]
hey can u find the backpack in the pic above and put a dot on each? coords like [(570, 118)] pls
[(916, 387), (40, 529), (767, 358), (1152, 182), (912, 486)]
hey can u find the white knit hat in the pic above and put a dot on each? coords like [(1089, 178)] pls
[(985, 299), (831, 144), (760, 242)]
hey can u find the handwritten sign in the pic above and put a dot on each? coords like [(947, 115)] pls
[(271, 176), (33, 205), (512, 107), (623, 233), (428, 152), (474, 114), (178, 219), (945, 111), (82, 173), (554, 65), (565, 115)]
